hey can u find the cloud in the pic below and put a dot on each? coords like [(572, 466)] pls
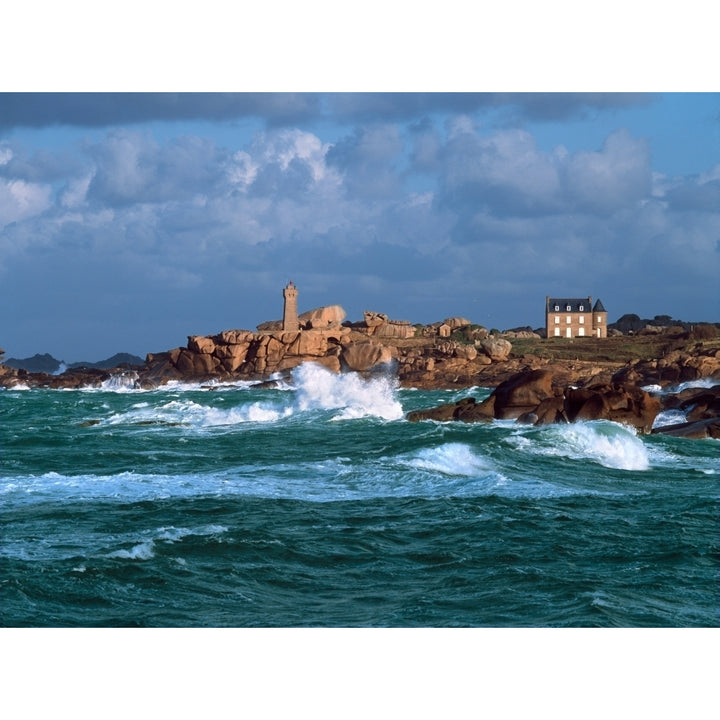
[(369, 160), (617, 176), (20, 200), (39, 110), (372, 107), (700, 193), (422, 221), (505, 174), (131, 167)]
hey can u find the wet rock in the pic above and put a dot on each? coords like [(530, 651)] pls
[(627, 404), (700, 429)]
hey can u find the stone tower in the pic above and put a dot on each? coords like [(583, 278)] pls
[(290, 313)]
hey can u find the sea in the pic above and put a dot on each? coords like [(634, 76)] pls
[(316, 504)]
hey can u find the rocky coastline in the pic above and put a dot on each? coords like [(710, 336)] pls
[(529, 386)]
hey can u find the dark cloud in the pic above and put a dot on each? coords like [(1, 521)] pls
[(39, 110), (369, 160), (366, 107)]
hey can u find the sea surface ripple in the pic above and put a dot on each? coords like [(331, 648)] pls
[(317, 505)]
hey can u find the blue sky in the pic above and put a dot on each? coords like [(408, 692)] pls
[(131, 220), (128, 222)]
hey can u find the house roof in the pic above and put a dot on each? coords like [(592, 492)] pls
[(599, 307), (574, 304)]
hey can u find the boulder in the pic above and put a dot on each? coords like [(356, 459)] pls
[(270, 326), (330, 316), (313, 344), (395, 330), (456, 322), (497, 349), (465, 410), (697, 403), (201, 344), (363, 356), (373, 319), (523, 393), (467, 352), (550, 411), (233, 361), (233, 337), (196, 364), (441, 413), (627, 404), (231, 356)]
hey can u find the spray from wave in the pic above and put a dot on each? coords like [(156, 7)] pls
[(313, 388), (355, 396)]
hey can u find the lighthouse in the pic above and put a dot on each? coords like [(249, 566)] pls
[(290, 311)]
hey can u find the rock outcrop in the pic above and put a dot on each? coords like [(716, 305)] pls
[(241, 354), (701, 407), (533, 397), (378, 325)]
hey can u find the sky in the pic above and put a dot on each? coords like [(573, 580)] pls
[(130, 220)]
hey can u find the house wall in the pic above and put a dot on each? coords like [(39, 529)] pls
[(563, 323), (569, 324)]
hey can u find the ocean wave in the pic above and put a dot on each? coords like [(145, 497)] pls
[(313, 388), (141, 551), (606, 443), (356, 397), (196, 415), (701, 383), (669, 417), (451, 459)]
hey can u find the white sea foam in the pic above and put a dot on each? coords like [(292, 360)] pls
[(207, 386), (706, 382), (317, 388), (606, 443), (121, 382), (141, 551), (652, 388), (174, 534), (451, 459), (197, 415), (669, 417)]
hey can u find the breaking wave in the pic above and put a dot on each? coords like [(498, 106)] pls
[(609, 444), (320, 389)]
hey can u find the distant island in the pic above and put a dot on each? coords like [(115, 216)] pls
[(48, 364)]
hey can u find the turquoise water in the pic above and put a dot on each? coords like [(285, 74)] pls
[(317, 504)]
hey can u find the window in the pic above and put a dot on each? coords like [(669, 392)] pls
[(568, 320), (582, 318), (599, 320), (557, 307), (557, 319), (582, 308), (568, 308), (557, 332), (568, 332), (582, 332)]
